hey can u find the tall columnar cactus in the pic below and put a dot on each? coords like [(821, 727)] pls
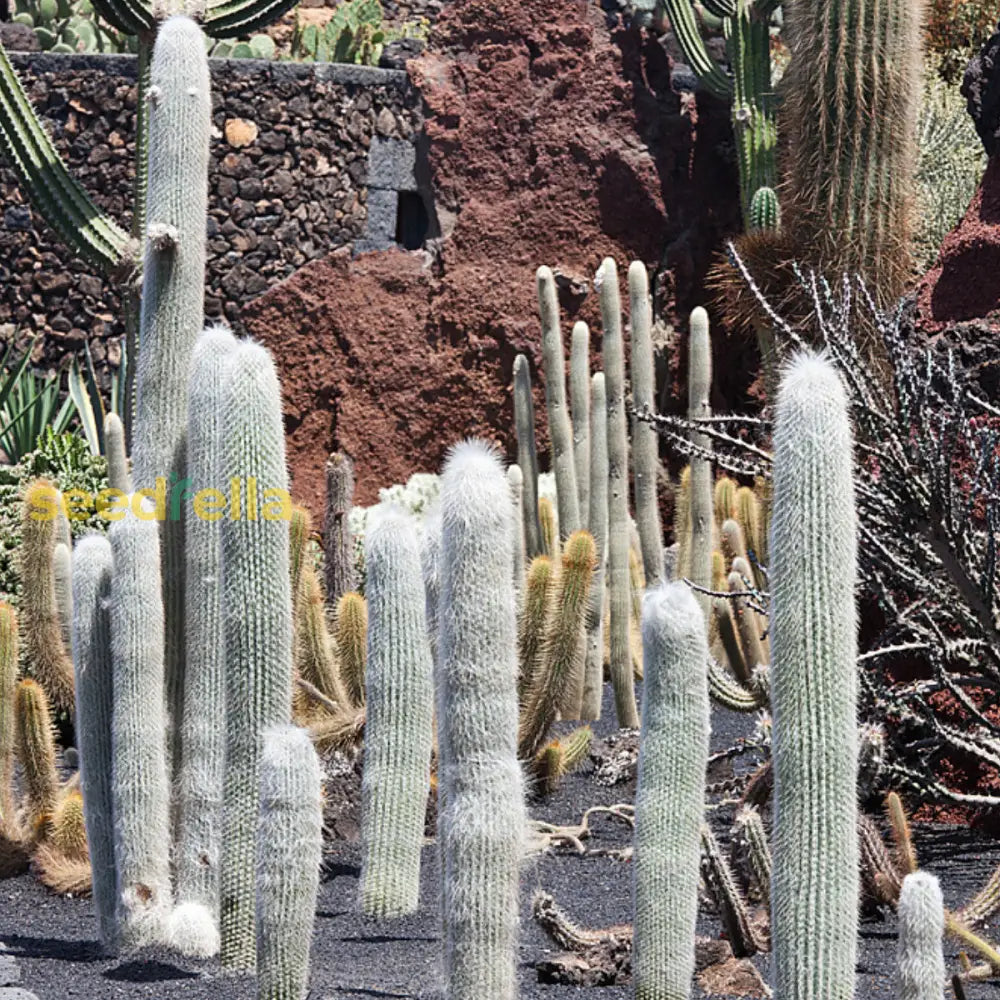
[(597, 523), (852, 95), (483, 802), (289, 852), (62, 569), (350, 632), (400, 699), (173, 290), (919, 957), (430, 570), (560, 426), (813, 687), (201, 767), (516, 479), (338, 546), (299, 532), (257, 617), (119, 477), (700, 503), (670, 795), (8, 683), (315, 654), (527, 453), (618, 576), (579, 398), (45, 652), (645, 441), (35, 747), (92, 571), (531, 624), (139, 784)]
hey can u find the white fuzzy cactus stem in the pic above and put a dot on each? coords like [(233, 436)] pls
[(670, 795), (701, 499), (400, 695), (920, 970), (527, 453), (62, 571), (560, 426), (579, 399), (257, 618), (289, 852), (119, 478), (483, 802), (140, 788), (813, 687), (203, 719), (92, 569)]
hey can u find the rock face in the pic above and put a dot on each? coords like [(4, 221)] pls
[(549, 140)]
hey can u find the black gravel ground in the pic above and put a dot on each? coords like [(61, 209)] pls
[(53, 939)]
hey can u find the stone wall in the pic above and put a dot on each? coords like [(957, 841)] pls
[(292, 150)]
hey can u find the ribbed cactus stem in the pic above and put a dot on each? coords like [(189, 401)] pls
[(682, 525), (527, 453), (62, 570), (579, 400), (550, 527), (700, 498), (119, 477), (139, 784), (748, 514), (813, 687), (41, 626), (338, 545), (670, 795), (645, 441), (516, 480), (203, 717), (315, 656), (400, 696), (8, 685), (597, 524), (299, 532), (289, 852), (725, 499), (350, 633), (69, 833), (257, 618), (618, 577), (531, 627), (483, 792), (920, 966), (92, 572), (36, 751)]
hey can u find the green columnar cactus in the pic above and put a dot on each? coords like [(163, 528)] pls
[(289, 853), (516, 480), (36, 751), (748, 624), (201, 769), (645, 441), (483, 803), (341, 577), (45, 653), (579, 399), (92, 572), (919, 959), (350, 634), (670, 795), (701, 498), (527, 453), (173, 290), (597, 523), (813, 686), (8, 685), (257, 617), (722, 887), (119, 477), (849, 171), (618, 578), (560, 426), (531, 625), (398, 722), (558, 679), (139, 785), (749, 829), (682, 525), (62, 584)]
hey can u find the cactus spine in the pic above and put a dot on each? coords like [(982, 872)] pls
[(289, 847), (701, 498), (119, 477), (350, 632), (139, 784), (339, 550), (400, 697), (92, 571), (483, 801), (62, 570), (531, 628), (203, 716), (813, 687), (37, 753), (618, 576), (315, 658), (527, 453), (579, 397), (670, 803), (645, 443), (8, 685), (257, 616), (597, 522), (920, 961)]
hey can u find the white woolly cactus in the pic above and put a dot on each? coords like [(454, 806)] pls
[(813, 687), (483, 799), (920, 959), (289, 853), (140, 789), (399, 697), (670, 795)]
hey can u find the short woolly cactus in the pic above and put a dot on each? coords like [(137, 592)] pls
[(920, 960)]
